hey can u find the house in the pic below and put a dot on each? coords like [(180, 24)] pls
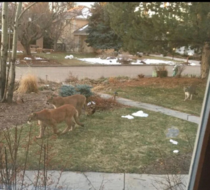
[(75, 32)]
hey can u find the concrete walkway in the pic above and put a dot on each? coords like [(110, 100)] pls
[(118, 181), (107, 181), (152, 107)]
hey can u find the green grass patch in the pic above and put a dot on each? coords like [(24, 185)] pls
[(108, 142), (167, 97), (60, 57)]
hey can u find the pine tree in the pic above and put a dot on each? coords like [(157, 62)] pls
[(161, 27), (101, 36)]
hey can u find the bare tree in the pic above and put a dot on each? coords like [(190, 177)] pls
[(9, 24), (42, 17), (4, 48), (34, 22), (14, 52), (58, 25)]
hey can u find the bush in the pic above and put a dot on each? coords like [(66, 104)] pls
[(84, 90), (161, 71), (71, 78), (28, 83), (67, 90)]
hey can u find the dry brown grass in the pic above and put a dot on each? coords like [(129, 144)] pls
[(105, 104), (71, 78), (28, 83), (112, 80), (98, 88)]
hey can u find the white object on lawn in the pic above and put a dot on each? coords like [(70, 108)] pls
[(175, 151), (128, 116), (140, 114), (173, 141)]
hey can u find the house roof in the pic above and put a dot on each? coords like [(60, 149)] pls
[(81, 31), (78, 12)]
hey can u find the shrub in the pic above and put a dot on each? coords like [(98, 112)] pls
[(161, 71), (67, 90), (84, 90), (71, 78), (112, 80), (28, 83)]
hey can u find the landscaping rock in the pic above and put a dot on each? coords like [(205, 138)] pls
[(172, 132)]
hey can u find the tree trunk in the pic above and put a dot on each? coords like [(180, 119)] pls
[(27, 49), (14, 52), (55, 44), (205, 61), (4, 48)]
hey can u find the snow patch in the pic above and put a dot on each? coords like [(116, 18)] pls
[(69, 57), (27, 58)]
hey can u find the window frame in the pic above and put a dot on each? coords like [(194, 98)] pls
[(200, 163)]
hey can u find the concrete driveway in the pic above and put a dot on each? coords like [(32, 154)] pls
[(59, 74)]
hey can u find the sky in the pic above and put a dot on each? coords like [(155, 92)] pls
[(88, 4)]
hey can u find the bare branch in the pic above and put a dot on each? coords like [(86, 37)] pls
[(21, 14)]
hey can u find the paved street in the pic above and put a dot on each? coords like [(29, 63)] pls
[(59, 74)]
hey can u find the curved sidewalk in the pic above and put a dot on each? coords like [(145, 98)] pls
[(152, 107)]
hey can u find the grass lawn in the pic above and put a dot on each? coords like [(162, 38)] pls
[(167, 97), (109, 143), (60, 57)]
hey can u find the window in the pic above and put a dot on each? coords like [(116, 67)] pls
[(200, 164)]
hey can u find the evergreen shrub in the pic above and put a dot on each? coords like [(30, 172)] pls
[(84, 90), (67, 90)]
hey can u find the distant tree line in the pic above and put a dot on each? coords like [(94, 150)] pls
[(152, 27)]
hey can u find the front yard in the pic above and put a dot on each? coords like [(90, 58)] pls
[(108, 142)]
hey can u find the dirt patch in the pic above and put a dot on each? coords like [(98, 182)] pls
[(16, 113), (168, 82)]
